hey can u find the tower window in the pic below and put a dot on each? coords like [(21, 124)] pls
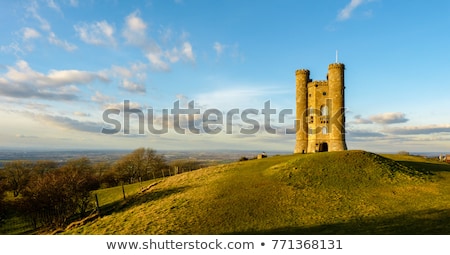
[(324, 110), (324, 130), (324, 93)]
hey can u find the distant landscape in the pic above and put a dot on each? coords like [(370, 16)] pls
[(62, 156), (222, 156)]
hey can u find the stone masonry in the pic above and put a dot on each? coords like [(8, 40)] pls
[(320, 112)]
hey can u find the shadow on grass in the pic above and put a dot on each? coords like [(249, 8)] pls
[(426, 222), (426, 167), (138, 199)]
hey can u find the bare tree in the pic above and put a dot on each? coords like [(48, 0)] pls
[(18, 174), (79, 180), (41, 167), (141, 164), (56, 196)]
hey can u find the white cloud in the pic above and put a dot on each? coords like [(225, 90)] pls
[(173, 55), (181, 97), (363, 134), (135, 33), (187, 52), (121, 71), (136, 70), (69, 123), (97, 33), (184, 52), (389, 118), (45, 25), (135, 29), (132, 86), (101, 98), (53, 5), (81, 114), (120, 106), (358, 119), (231, 50), (60, 43), (419, 130), (219, 48), (157, 62), (62, 77), (21, 81), (346, 13), (33, 10), (29, 33), (11, 48)]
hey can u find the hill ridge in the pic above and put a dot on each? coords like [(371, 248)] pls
[(280, 194)]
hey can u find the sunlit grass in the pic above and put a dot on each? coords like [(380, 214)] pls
[(351, 192), (115, 194)]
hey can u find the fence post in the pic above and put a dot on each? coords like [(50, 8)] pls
[(97, 204), (123, 192)]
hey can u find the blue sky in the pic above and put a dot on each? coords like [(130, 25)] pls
[(63, 63)]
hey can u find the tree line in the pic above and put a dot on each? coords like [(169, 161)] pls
[(52, 195)]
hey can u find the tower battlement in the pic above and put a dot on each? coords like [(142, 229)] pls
[(302, 71), (320, 111), (317, 83), (336, 65)]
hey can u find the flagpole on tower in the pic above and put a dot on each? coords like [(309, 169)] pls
[(336, 56)]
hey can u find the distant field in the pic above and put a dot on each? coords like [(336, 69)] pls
[(351, 192)]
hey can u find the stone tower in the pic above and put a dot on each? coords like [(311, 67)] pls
[(320, 111)]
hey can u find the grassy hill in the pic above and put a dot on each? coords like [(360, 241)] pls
[(350, 192)]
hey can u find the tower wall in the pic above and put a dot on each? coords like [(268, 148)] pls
[(337, 112), (320, 111), (301, 83)]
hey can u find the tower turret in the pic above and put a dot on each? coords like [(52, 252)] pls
[(337, 112), (301, 88)]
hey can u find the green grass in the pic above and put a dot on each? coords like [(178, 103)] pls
[(109, 199), (351, 192), (115, 194)]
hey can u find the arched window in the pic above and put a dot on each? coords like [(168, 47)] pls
[(324, 110), (324, 130)]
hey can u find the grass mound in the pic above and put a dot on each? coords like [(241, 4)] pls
[(345, 170)]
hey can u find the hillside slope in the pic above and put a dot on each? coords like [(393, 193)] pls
[(351, 192)]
